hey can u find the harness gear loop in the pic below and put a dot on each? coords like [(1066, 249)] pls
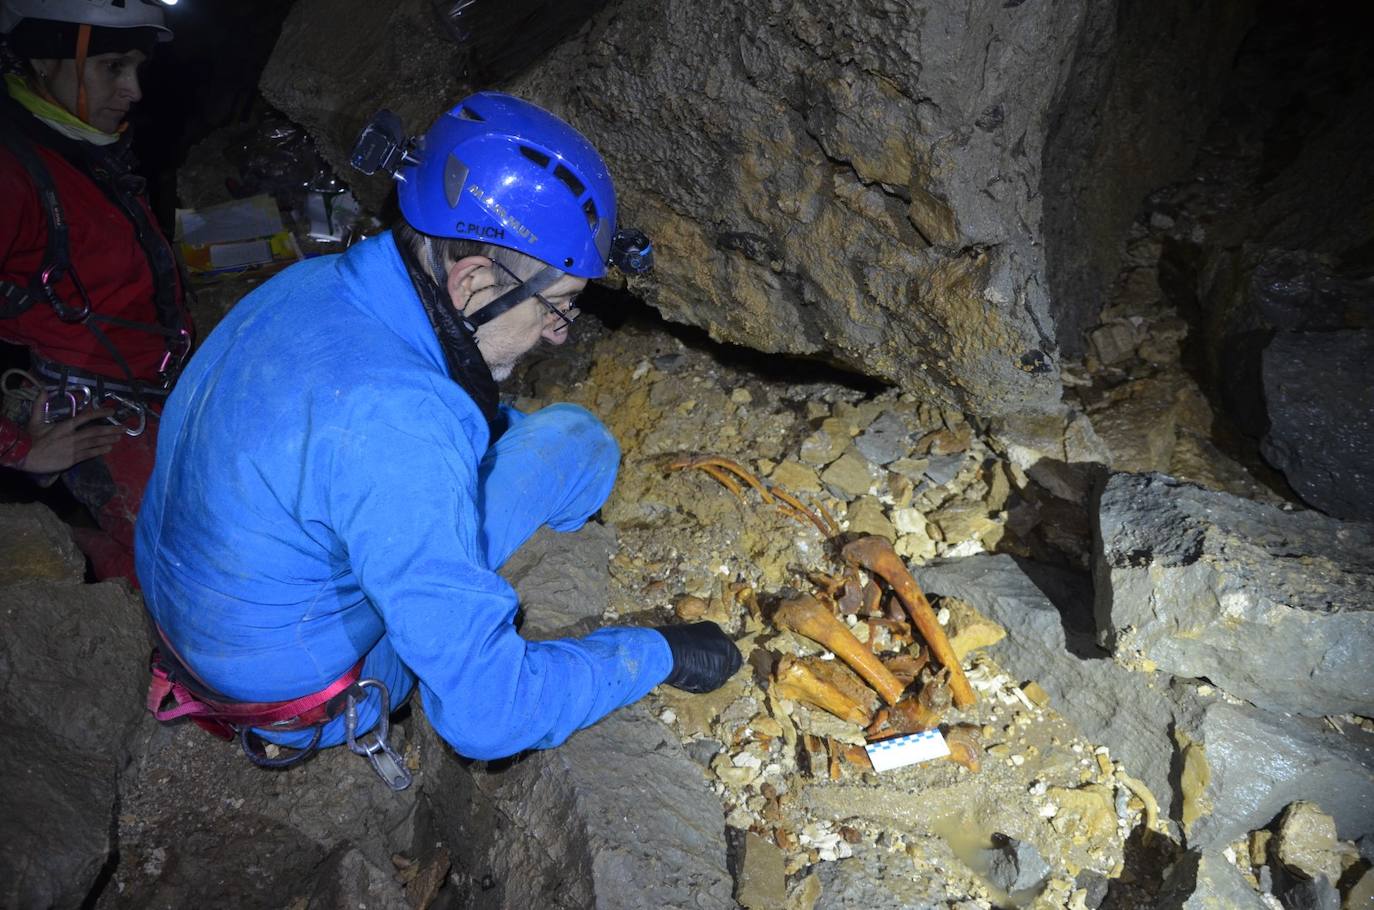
[(247, 738), (389, 766)]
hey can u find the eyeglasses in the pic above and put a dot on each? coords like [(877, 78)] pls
[(564, 316)]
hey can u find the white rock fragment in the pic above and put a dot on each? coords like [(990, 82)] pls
[(668, 716), (965, 548)]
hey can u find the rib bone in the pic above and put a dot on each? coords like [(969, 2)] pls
[(877, 556), (807, 616)]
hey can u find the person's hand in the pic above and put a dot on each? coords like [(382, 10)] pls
[(57, 446), (703, 658)]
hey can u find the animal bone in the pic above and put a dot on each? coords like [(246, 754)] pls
[(965, 748), (935, 694), (819, 683), (908, 716), (906, 667), (807, 616), (877, 556), (721, 468)]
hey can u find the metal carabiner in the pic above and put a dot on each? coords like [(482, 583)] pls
[(124, 408), (178, 347), (389, 766), (47, 278), (77, 396)]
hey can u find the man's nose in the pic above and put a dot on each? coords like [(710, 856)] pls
[(130, 88)]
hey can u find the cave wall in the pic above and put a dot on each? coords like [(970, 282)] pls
[(1145, 82), (874, 184)]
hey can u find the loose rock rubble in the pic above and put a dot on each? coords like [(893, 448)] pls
[(1087, 781)]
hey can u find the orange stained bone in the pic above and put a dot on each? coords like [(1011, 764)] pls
[(800, 681), (877, 556), (716, 461), (718, 466), (828, 527), (807, 616), (910, 715), (724, 479), (965, 748)]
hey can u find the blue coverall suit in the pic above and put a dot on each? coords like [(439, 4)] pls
[(324, 491)]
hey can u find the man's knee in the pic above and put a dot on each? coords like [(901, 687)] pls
[(582, 432)]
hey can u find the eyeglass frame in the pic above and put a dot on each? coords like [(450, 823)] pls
[(562, 316)]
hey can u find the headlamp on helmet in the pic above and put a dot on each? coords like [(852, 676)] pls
[(500, 170)]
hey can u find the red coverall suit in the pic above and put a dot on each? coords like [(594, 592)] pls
[(106, 255)]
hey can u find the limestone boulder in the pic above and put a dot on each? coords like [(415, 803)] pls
[(1274, 606), (36, 546), (72, 665), (1207, 881), (860, 183), (1218, 769), (1321, 418)]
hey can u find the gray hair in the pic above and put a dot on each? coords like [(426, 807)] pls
[(436, 254)]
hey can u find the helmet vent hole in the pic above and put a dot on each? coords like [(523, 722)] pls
[(468, 113), (589, 209), (570, 180), (535, 155)]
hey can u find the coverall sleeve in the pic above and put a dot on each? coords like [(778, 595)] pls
[(403, 500)]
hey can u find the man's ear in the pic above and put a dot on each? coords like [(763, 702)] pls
[(466, 277)]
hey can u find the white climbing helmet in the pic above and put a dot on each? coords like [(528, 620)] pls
[(100, 13)]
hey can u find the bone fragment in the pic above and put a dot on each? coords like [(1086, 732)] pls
[(811, 682), (877, 556), (965, 748), (807, 616), (909, 715)]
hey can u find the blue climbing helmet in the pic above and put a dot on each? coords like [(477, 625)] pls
[(500, 170)]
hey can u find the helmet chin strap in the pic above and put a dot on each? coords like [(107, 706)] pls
[(540, 281), (83, 44)]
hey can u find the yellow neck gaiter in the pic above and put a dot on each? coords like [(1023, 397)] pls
[(54, 115)]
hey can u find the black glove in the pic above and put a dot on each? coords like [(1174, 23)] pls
[(703, 658)]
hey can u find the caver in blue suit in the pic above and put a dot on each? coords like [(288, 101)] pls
[(325, 491)]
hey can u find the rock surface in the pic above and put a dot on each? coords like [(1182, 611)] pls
[(71, 671), (865, 882), (1016, 865), (1200, 584), (742, 139), (1249, 764), (617, 817), (1306, 841), (1206, 881), (1321, 418)]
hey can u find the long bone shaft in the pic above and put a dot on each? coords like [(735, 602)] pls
[(807, 616), (808, 682), (877, 556)]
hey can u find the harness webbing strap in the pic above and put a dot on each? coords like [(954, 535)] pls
[(122, 189), (223, 716)]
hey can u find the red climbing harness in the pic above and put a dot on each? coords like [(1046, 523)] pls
[(223, 717), (231, 719)]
